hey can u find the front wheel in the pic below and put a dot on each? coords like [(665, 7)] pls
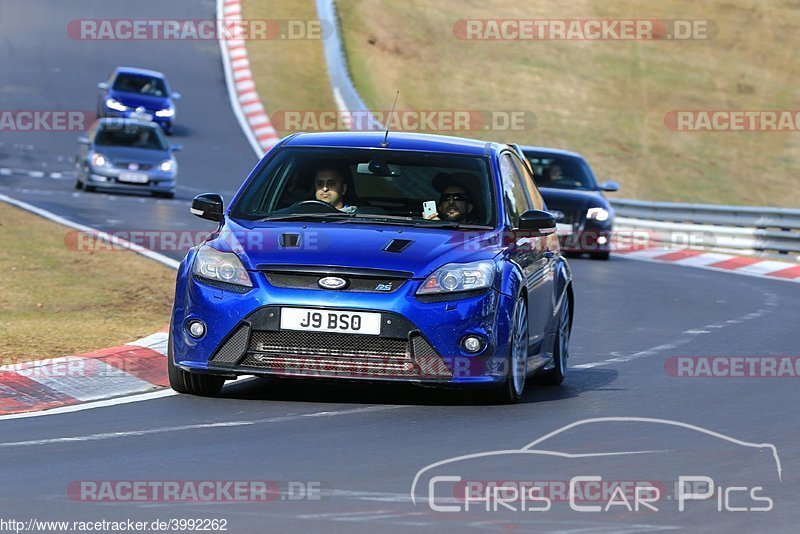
[(191, 383), (511, 390)]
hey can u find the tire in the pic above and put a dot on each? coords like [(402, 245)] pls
[(191, 383), (78, 185), (600, 255), (510, 392), (161, 194), (555, 376), (89, 188)]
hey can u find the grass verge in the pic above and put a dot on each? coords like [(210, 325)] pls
[(56, 301), (606, 99)]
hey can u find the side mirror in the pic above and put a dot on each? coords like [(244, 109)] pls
[(103, 85), (208, 206), (539, 222), (83, 140), (176, 148), (175, 96), (609, 186)]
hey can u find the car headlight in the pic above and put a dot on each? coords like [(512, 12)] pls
[(167, 165), (457, 277), (598, 214), (166, 113), (99, 160), (116, 106), (222, 266)]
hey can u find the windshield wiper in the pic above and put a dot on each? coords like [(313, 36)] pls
[(296, 216)]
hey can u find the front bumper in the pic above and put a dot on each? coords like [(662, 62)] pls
[(419, 341), (588, 237), (108, 178)]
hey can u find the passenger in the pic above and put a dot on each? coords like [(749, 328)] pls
[(456, 204)]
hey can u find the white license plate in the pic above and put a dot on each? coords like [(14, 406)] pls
[(141, 116), (133, 177), (346, 322)]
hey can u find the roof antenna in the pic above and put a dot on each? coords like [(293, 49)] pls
[(388, 121)]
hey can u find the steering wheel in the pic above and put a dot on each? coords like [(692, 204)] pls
[(316, 203)]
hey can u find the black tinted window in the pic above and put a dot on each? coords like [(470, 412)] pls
[(561, 172), (134, 136), (137, 83), (381, 183)]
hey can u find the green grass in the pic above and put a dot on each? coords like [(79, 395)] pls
[(58, 301), (604, 99), (290, 75)]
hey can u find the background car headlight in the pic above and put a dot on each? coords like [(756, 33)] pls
[(222, 266), (456, 277), (167, 166), (116, 106), (598, 214), (165, 113), (99, 160)]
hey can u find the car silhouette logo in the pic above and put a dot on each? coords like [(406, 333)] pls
[(332, 282)]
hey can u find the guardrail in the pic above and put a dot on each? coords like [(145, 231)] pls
[(744, 229), (344, 92)]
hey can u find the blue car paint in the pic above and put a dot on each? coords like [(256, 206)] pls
[(151, 104), (443, 324)]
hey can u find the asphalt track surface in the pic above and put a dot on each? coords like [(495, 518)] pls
[(363, 444)]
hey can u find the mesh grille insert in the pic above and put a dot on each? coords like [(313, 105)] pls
[(329, 344)]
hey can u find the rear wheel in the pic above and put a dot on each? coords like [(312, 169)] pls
[(511, 390), (555, 376), (191, 383)]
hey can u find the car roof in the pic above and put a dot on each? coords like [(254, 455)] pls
[(553, 151), (143, 72), (396, 141)]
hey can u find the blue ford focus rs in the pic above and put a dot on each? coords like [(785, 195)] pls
[(356, 256)]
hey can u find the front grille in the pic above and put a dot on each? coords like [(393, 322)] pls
[(309, 281), (304, 366), (125, 165), (329, 344)]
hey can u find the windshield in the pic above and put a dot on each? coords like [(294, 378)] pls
[(561, 172), (134, 136), (369, 186), (138, 83)]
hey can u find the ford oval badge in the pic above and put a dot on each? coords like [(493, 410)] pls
[(332, 282)]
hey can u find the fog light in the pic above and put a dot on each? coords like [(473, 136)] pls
[(602, 240), (472, 344), (196, 329)]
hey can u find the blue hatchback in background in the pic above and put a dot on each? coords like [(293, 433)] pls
[(139, 94), (415, 258)]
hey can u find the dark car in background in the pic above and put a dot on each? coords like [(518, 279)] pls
[(140, 94), (126, 155), (572, 195)]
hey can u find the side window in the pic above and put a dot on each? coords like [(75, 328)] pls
[(530, 185), (515, 199)]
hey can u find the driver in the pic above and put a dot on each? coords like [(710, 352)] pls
[(330, 187)]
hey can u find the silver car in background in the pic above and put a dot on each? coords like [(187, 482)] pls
[(128, 155)]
